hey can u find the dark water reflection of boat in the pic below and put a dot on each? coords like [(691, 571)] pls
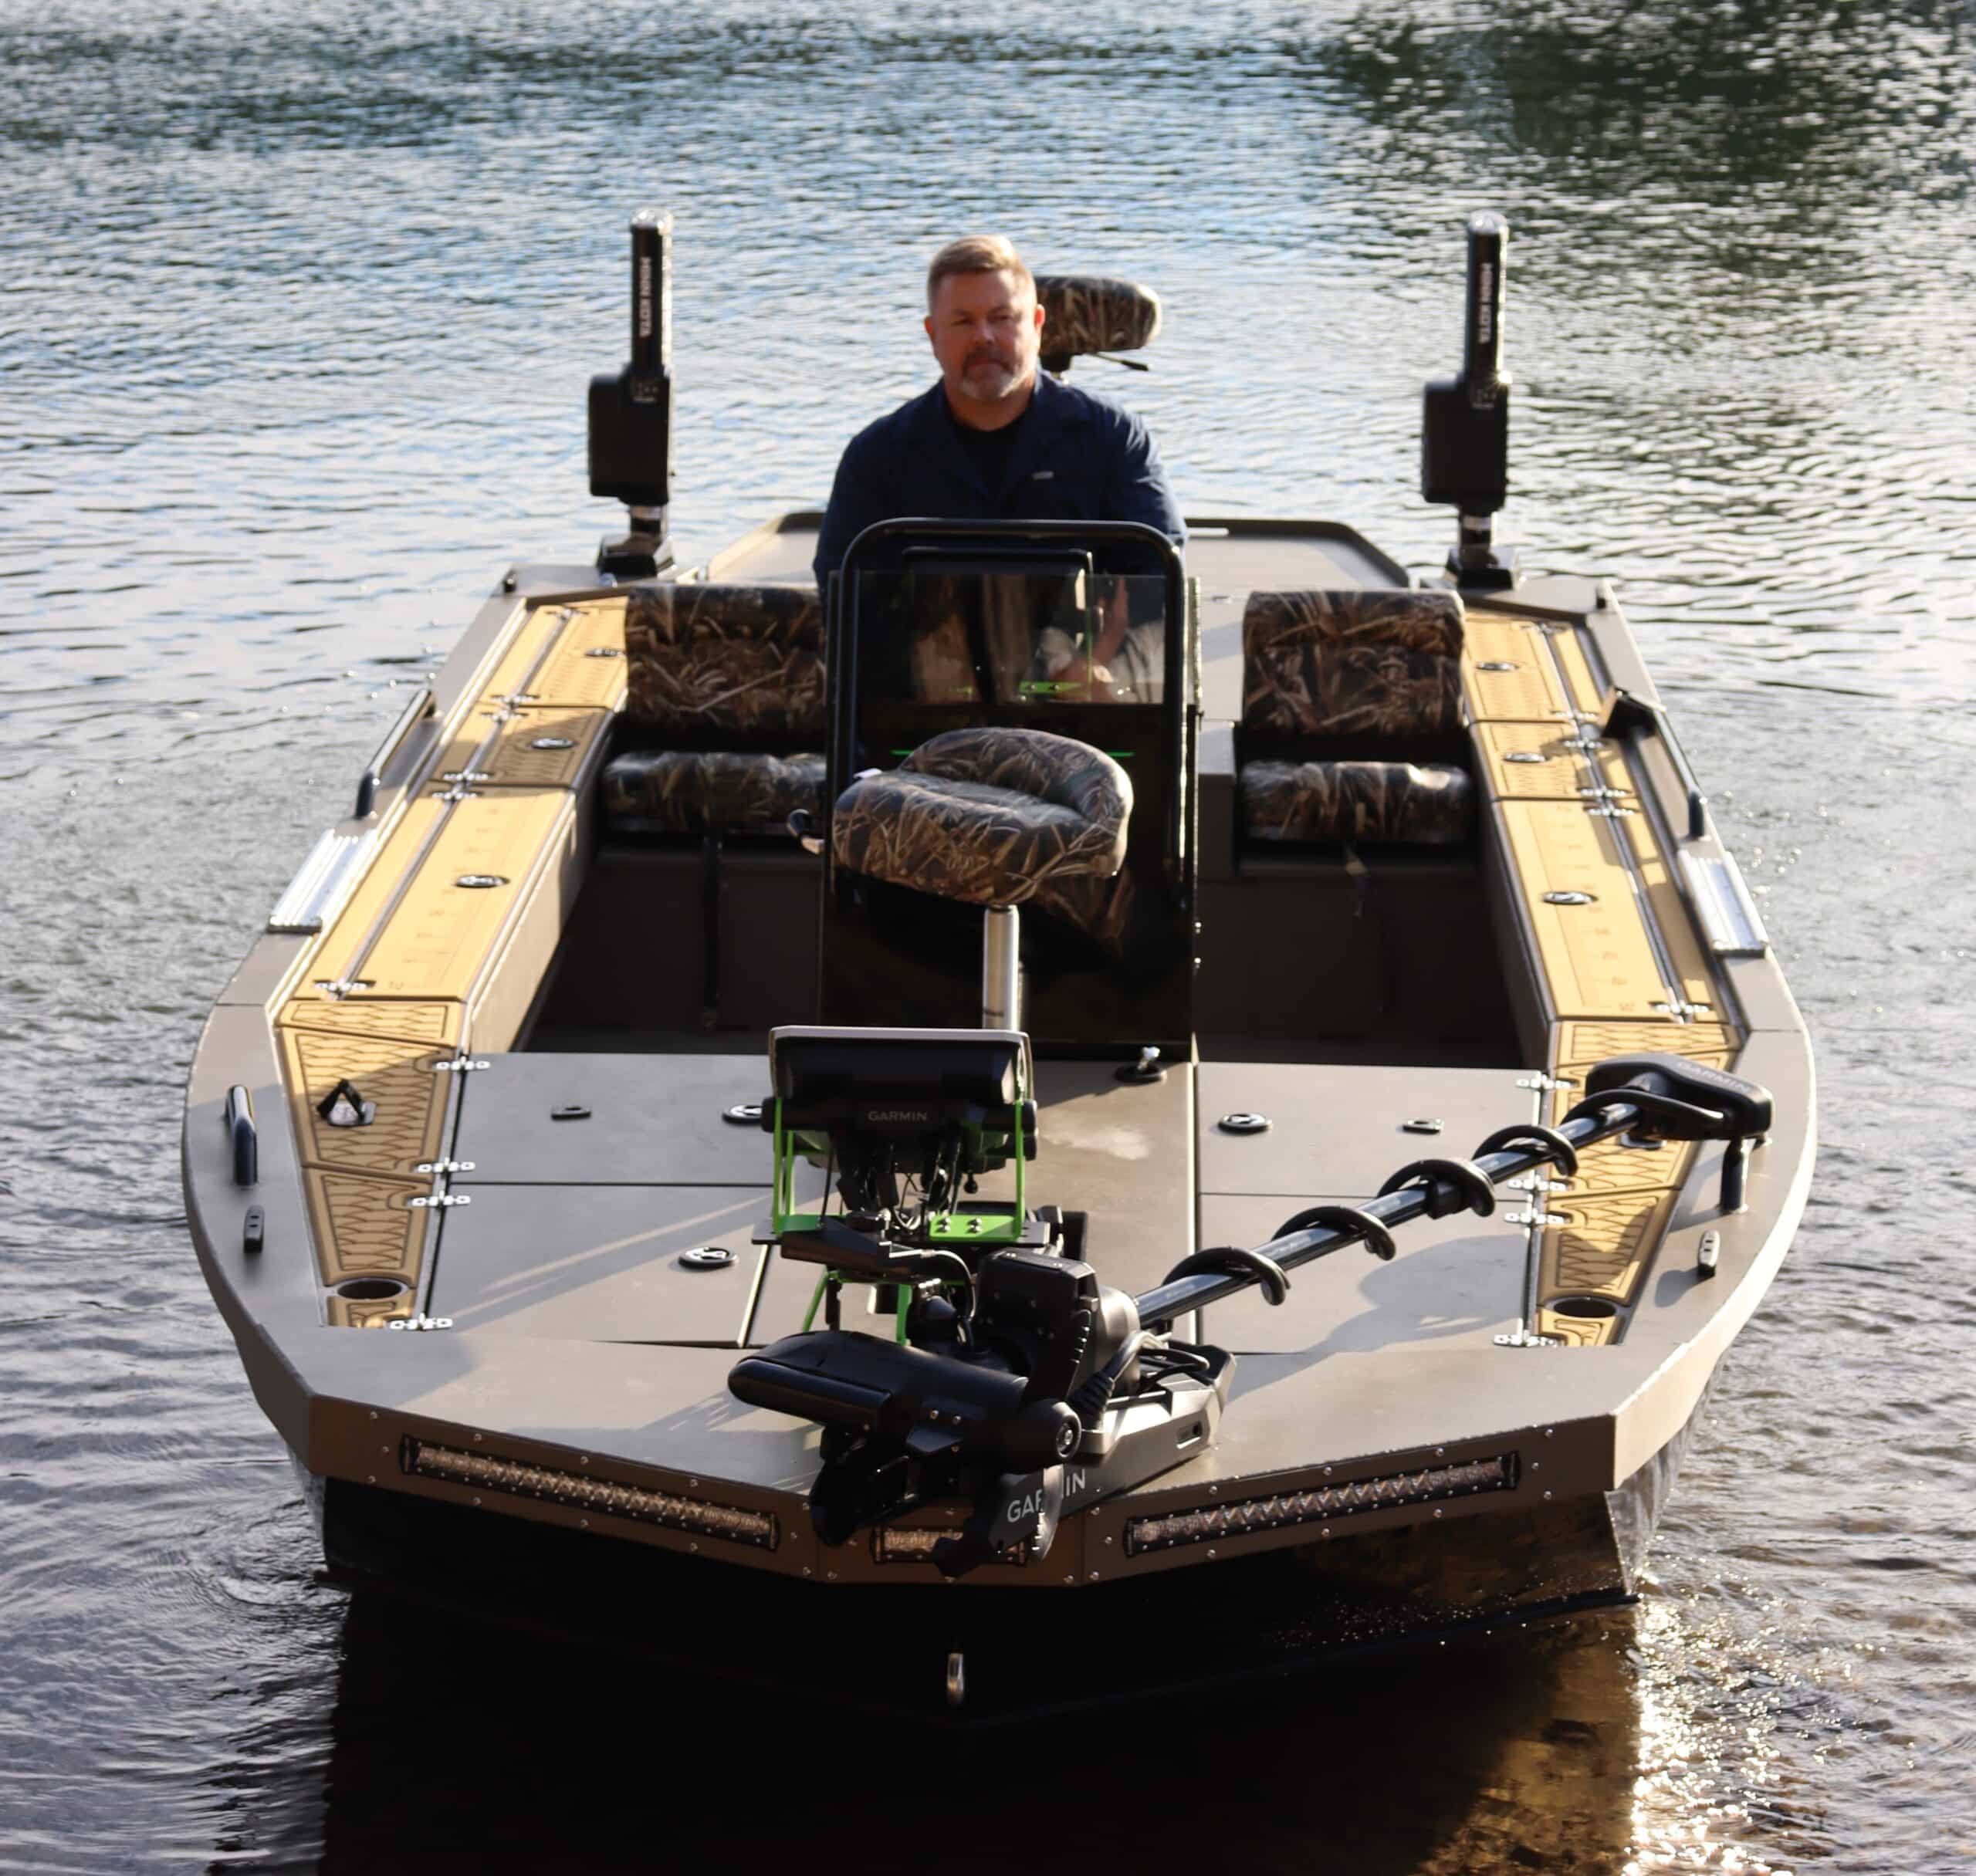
[(538, 1753)]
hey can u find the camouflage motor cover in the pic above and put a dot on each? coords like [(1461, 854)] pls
[(709, 791), (715, 661), (1429, 804), (1084, 313), (996, 817), (1353, 663)]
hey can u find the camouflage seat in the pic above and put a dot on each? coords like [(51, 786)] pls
[(709, 791), (1378, 667), (1425, 804), (1385, 663), (996, 817), (1083, 314), (725, 687)]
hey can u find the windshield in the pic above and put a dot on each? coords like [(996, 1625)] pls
[(1017, 641)]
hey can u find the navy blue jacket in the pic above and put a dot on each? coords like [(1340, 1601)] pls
[(1076, 457)]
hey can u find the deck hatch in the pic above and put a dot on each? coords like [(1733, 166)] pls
[(1164, 1530), (488, 1472)]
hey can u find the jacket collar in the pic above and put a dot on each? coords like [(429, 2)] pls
[(1053, 409)]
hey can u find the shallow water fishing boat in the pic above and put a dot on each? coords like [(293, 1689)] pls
[(1236, 1086)]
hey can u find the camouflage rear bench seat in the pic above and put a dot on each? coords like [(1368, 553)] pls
[(726, 688), (996, 817), (1355, 668)]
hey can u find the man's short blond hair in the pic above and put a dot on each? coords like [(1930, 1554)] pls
[(978, 254)]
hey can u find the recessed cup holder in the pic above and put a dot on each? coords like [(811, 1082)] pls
[(372, 1288), (1584, 1309)]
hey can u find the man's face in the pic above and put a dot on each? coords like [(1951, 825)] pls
[(985, 328)]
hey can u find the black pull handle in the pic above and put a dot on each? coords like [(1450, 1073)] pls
[(240, 1131)]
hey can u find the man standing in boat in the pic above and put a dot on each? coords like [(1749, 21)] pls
[(996, 437)]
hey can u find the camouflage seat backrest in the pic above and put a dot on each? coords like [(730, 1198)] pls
[(726, 666), (1384, 663), (997, 816), (1084, 313)]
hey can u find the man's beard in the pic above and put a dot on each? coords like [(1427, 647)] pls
[(991, 379)]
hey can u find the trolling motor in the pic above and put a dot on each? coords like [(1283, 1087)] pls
[(1018, 1382), (1015, 1380), (631, 414), (1465, 421)]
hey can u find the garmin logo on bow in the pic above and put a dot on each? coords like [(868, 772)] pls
[(880, 1116)]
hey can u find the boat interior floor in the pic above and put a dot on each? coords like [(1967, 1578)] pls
[(642, 1171)]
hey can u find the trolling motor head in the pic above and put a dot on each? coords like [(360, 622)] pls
[(631, 413), (1017, 1382), (1465, 421)]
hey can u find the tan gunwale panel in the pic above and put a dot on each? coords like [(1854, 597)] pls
[(514, 760), (437, 1025), (537, 630), (1605, 1242), (1575, 1332), (441, 935), (1578, 681), (586, 668), (1670, 914), (1590, 1042), (372, 1313), (397, 1076), (365, 1227), (374, 892), (1565, 774), (1609, 1167), (1596, 958), (1530, 693)]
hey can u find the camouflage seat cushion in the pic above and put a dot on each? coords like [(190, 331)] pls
[(1427, 804), (1382, 663), (709, 791), (996, 817), (718, 663), (1084, 313)]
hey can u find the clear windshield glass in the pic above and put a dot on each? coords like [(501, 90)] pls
[(1020, 639)]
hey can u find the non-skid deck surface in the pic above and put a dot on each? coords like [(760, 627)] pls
[(577, 1226), (1335, 1135)]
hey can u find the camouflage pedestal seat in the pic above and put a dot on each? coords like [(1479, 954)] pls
[(996, 817), (725, 686), (1383, 666)]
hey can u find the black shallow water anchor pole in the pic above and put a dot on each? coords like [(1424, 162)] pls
[(1465, 421), (630, 414), (1651, 1096)]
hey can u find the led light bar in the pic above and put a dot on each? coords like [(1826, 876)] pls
[(1165, 1530), (486, 1473), (914, 1544)]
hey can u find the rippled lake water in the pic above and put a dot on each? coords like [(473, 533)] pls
[(296, 305)]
